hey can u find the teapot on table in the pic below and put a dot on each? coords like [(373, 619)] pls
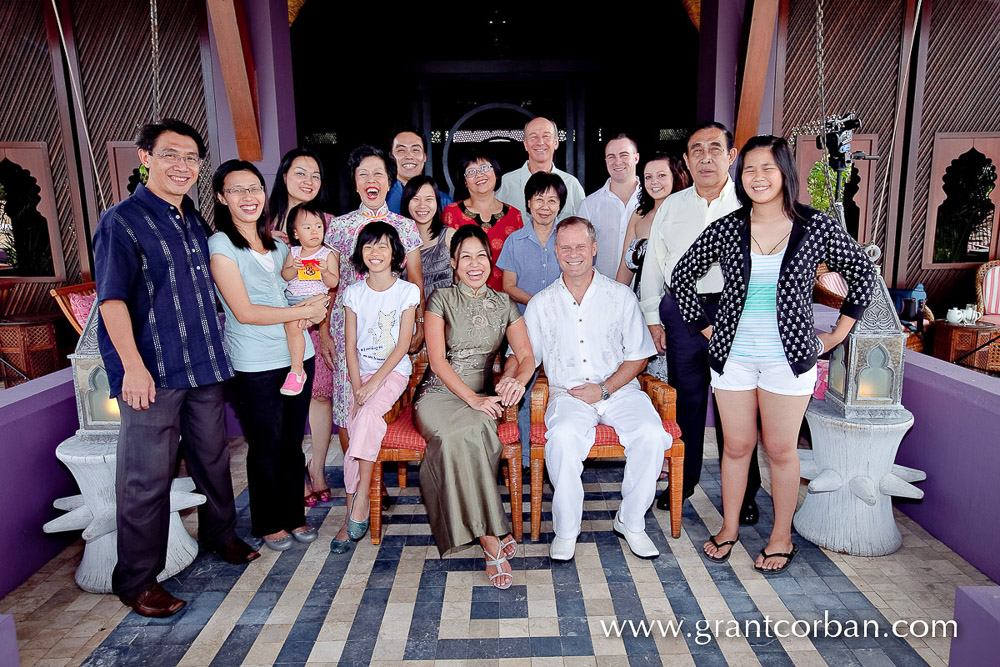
[(955, 316)]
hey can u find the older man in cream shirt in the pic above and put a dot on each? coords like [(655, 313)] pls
[(541, 139), (588, 331), (680, 220)]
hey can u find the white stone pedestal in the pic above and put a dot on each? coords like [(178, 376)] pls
[(93, 466), (849, 505)]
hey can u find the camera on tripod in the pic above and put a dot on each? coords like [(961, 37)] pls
[(838, 131)]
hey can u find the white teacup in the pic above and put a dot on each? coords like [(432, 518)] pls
[(955, 316)]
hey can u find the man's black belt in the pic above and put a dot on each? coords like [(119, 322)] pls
[(712, 297)]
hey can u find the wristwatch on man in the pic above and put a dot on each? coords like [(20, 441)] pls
[(605, 394)]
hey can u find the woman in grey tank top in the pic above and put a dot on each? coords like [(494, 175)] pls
[(421, 202)]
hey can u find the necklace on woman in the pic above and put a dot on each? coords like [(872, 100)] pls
[(780, 241)]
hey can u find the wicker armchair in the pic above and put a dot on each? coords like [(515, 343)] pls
[(75, 301), (403, 444), (606, 445)]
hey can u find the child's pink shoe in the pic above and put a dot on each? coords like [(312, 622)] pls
[(293, 384)]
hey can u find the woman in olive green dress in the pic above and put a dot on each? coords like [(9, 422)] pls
[(457, 405)]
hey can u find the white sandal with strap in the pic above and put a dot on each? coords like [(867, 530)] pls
[(508, 546), (497, 561)]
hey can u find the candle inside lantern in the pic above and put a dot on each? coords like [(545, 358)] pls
[(875, 380)]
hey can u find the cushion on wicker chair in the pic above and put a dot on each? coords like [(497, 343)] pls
[(402, 434), (834, 282), (991, 291), (606, 436), (81, 305)]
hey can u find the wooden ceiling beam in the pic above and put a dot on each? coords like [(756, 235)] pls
[(762, 23), (238, 74)]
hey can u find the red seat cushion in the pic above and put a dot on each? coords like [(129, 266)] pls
[(606, 435), (402, 434), (508, 433)]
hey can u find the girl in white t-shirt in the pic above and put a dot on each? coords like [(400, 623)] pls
[(379, 314), (311, 268)]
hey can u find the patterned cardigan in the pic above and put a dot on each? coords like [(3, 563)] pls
[(817, 238)]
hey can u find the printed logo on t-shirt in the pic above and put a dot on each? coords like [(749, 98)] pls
[(382, 341)]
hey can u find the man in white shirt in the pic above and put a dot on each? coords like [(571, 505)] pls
[(587, 330), (681, 218), (541, 139), (610, 208)]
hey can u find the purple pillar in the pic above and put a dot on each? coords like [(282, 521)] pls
[(722, 30), (718, 55)]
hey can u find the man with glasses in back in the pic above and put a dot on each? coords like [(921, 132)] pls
[(161, 342)]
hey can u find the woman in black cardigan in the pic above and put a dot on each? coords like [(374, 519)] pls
[(763, 349)]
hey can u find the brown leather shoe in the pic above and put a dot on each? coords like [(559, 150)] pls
[(154, 602), (236, 552)]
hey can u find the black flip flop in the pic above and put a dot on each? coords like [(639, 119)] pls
[(777, 570), (730, 543)]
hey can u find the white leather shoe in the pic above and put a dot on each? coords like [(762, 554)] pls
[(562, 549), (639, 542)]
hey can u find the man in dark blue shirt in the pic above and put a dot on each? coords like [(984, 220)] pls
[(410, 155), (161, 342)]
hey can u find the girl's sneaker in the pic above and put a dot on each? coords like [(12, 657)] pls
[(293, 384)]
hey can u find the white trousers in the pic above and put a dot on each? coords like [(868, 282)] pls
[(571, 426)]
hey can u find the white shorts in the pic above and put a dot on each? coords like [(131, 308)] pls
[(777, 378)]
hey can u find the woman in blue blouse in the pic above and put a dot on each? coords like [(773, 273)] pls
[(246, 265), (763, 347)]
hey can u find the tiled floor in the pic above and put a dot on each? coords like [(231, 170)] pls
[(399, 604)]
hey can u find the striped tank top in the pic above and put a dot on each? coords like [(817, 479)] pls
[(757, 337)]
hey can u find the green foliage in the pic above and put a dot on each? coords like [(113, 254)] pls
[(968, 182), (816, 186)]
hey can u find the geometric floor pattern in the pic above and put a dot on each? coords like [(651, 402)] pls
[(398, 603)]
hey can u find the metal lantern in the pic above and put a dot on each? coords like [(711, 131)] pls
[(866, 371), (98, 413)]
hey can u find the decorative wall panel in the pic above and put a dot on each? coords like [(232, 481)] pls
[(30, 114), (117, 76), (961, 93), (862, 40)]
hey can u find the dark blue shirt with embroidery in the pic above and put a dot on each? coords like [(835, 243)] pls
[(155, 258)]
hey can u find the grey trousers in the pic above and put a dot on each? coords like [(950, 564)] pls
[(187, 422)]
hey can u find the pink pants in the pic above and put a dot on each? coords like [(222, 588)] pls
[(367, 427)]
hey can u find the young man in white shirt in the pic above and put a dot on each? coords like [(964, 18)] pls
[(682, 217), (588, 331), (541, 139), (610, 208)]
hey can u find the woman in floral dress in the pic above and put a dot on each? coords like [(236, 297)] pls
[(373, 176)]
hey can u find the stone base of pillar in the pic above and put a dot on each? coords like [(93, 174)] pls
[(849, 505), (92, 464)]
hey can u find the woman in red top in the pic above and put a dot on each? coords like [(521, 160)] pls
[(482, 175)]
